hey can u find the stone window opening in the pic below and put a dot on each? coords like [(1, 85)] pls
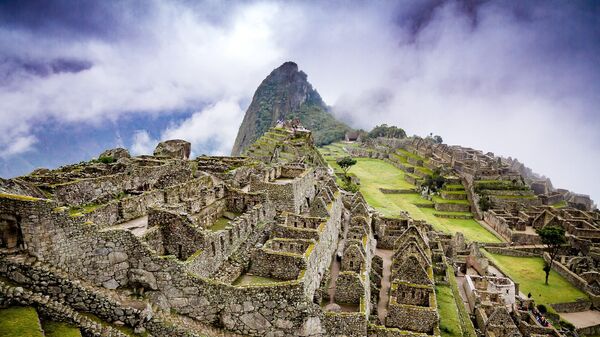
[(11, 235), (214, 249), (222, 242), (179, 251)]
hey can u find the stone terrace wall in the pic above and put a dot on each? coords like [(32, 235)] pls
[(103, 189), (219, 246)]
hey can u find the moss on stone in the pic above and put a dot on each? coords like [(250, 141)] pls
[(18, 197)]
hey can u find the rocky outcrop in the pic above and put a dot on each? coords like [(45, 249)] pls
[(175, 148), (286, 94)]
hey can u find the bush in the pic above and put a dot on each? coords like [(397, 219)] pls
[(542, 308), (386, 131), (106, 159), (485, 203), (435, 182), (349, 186)]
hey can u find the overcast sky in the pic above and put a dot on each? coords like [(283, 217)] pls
[(518, 78)]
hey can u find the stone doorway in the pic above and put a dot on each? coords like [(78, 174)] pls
[(11, 236)]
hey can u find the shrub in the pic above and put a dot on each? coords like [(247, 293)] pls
[(106, 159), (542, 308), (349, 186)]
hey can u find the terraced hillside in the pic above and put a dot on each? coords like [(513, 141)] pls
[(449, 212)]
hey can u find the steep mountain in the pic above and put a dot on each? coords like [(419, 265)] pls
[(286, 94)]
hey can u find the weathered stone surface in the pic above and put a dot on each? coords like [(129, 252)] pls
[(175, 148), (116, 153), (142, 278)]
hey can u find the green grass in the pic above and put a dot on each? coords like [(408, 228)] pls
[(561, 204), (20, 322), (219, 225), (449, 320), (59, 329), (527, 271), (375, 174), (441, 200)]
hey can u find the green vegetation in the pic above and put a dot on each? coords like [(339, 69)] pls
[(386, 131), (219, 225), (553, 237), (375, 174), (449, 319), (59, 329), (505, 185), (468, 330), (81, 210), (18, 197), (345, 163), (560, 204), (525, 271), (106, 160), (20, 322)]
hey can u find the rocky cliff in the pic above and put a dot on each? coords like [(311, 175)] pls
[(286, 94)]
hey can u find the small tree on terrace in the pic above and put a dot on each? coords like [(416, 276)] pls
[(553, 237), (346, 163)]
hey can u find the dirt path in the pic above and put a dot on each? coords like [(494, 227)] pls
[(582, 319), (384, 293)]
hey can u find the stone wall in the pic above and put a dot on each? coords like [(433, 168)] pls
[(347, 324), (349, 288)]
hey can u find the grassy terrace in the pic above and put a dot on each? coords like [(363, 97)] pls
[(219, 225), (20, 321), (527, 271), (375, 174), (54, 329), (449, 319)]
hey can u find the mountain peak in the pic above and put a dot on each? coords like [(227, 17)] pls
[(285, 94)]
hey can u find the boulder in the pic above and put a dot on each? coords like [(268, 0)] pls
[(116, 153), (175, 148), (142, 278)]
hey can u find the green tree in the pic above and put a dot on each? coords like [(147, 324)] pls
[(553, 237), (346, 163), (386, 131), (435, 181)]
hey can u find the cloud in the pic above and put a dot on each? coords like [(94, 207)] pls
[(17, 146), (142, 143), (211, 130), (519, 79)]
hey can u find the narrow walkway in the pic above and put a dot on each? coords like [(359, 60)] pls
[(335, 271), (384, 292)]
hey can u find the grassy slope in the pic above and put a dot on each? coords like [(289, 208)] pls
[(375, 174), (449, 320), (55, 329), (527, 271), (20, 322)]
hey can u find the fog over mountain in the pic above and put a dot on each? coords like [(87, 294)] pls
[(520, 79)]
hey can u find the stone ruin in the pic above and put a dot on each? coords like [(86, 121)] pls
[(260, 245)]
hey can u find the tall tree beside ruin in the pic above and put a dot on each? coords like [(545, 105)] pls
[(346, 163), (553, 237)]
